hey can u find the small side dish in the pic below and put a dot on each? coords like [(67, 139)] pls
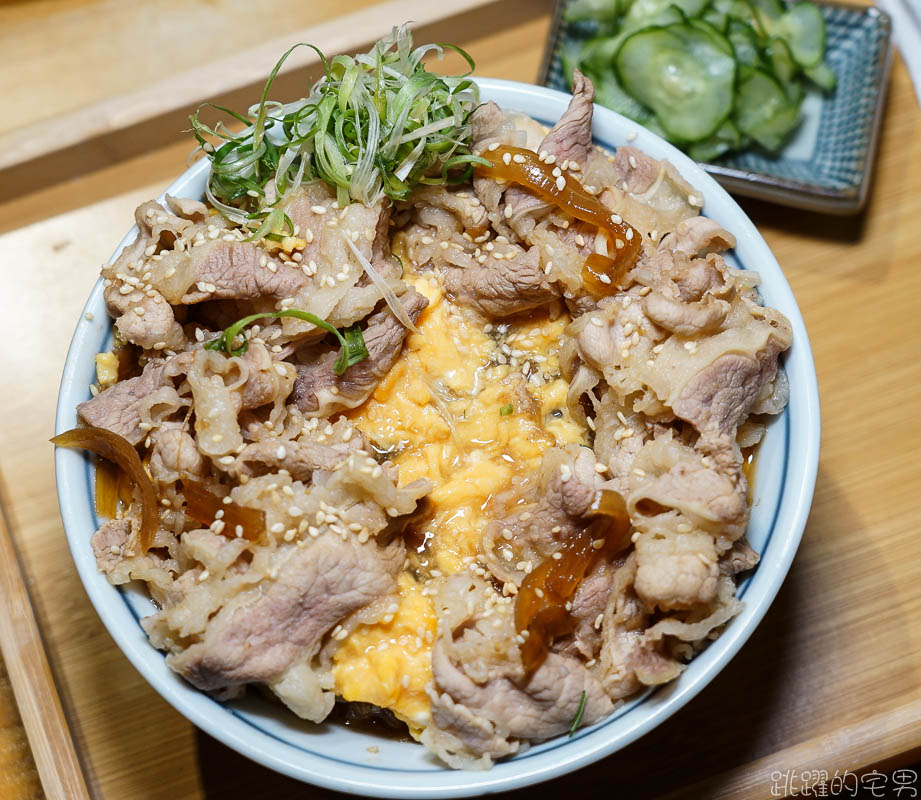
[(432, 411), (711, 76)]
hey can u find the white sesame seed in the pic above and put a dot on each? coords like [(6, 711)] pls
[(493, 147), (507, 158), (318, 209), (226, 460), (561, 183), (278, 527), (557, 556), (518, 158)]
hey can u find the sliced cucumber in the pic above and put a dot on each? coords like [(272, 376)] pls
[(743, 11), (727, 138), (682, 75), (645, 13), (803, 26), (822, 76), (715, 36), (663, 14), (745, 44), (585, 10), (773, 9), (781, 60), (570, 57), (717, 19), (598, 54), (610, 94), (763, 110)]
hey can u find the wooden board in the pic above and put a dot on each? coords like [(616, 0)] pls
[(831, 679)]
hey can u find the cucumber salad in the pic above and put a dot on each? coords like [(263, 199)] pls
[(711, 76)]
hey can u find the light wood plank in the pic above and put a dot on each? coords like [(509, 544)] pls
[(186, 89), (34, 688)]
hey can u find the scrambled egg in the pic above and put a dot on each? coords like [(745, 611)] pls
[(469, 408), (106, 369)]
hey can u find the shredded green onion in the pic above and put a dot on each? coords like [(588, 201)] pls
[(375, 126), (507, 409), (578, 718), (352, 342)]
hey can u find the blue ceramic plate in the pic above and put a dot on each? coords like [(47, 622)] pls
[(350, 760), (828, 162)]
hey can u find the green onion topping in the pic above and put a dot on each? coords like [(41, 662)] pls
[(507, 409), (351, 340), (578, 718), (375, 126)]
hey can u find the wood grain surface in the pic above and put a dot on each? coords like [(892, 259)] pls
[(832, 677)]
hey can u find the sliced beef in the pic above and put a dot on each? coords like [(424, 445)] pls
[(542, 514), (676, 570), (467, 208), (628, 661), (486, 125), (109, 543), (712, 499), (699, 236), (260, 633), (238, 271), (686, 319), (569, 142), (300, 457), (739, 558), (144, 318), (319, 391), (720, 396), (501, 287), (638, 172), (174, 454), (482, 702), (117, 408), (590, 600)]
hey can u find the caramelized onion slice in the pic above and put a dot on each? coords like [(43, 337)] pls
[(602, 275), (114, 448), (567, 193), (540, 607), (203, 505)]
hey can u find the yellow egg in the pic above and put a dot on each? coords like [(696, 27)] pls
[(106, 369), (443, 412)]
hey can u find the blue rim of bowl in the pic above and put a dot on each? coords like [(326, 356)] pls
[(761, 186), (226, 724)]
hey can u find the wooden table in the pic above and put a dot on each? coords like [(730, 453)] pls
[(831, 679)]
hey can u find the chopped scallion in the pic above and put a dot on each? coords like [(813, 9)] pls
[(375, 126), (577, 720), (507, 409), (352, 342)]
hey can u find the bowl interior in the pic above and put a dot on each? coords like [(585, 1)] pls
[(339, 758)]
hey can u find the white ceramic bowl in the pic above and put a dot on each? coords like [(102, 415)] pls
[(338, 757)]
